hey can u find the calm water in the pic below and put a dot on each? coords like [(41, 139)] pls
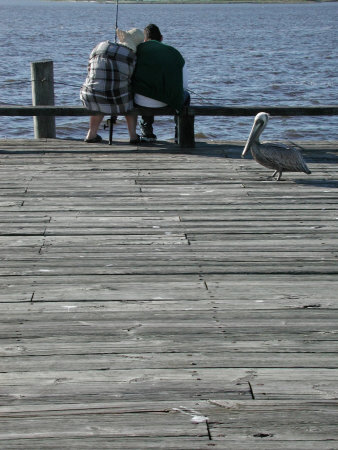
[(248, 54)]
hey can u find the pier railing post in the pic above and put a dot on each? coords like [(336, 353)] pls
[(186, 130), (43, 94)]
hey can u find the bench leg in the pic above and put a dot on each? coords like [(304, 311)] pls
[(111, 127), (186, 131)]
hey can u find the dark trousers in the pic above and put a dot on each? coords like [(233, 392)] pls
[(146, 122)]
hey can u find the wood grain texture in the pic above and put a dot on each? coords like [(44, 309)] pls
[(152, 298)]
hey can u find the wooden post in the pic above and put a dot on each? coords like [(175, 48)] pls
[(43, 94), (186, 131)]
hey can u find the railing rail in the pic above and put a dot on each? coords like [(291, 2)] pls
[(322, 110), (185, 118), (192, 110)]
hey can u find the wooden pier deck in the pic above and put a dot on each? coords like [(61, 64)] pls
[(155, 298)]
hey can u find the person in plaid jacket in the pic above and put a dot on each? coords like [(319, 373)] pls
[(107, 88)]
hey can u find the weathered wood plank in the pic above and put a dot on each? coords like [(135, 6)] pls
[(135, 286), (160, 442), (229, 267), (171, 424), (220, 359), (164, 384)]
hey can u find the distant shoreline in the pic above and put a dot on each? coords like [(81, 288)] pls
[(197, 2)]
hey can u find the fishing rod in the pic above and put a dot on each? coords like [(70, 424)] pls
[(204, 99), (113, 118), (117, 14)]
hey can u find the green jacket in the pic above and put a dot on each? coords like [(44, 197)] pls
[(158, 73)]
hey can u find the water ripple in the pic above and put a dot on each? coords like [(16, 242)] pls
[(236, 54)]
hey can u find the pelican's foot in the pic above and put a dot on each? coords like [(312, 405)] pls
[(279, 175)]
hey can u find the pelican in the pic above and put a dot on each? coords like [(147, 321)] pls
[(274, 156)]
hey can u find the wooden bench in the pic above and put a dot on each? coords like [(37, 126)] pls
[(186, 118)]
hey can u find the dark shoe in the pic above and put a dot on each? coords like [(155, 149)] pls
[(96, 139), (135, 141), (148, 138), (146, 125)]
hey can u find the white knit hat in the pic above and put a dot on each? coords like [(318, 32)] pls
[(131, 38)]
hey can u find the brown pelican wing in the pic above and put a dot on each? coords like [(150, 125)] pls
[(283, 157)]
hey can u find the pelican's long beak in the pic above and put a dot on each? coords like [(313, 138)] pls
[(247, 147), (254, 133)]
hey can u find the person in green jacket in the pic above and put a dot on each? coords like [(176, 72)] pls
[(159, 79)]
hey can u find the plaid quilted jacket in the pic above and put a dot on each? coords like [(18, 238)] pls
[(108, 84)]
